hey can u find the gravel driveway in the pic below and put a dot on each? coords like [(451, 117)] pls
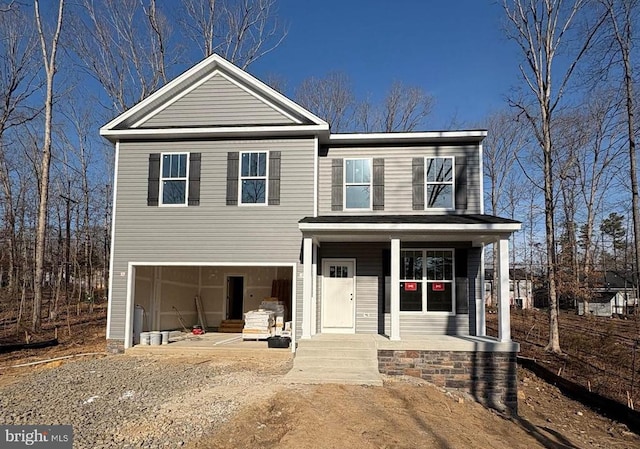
[(150, 402)]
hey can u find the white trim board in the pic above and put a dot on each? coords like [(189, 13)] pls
[(436, 227), (113, 237)]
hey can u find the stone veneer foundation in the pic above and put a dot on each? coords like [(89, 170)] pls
[(489, 377), (115, 346)]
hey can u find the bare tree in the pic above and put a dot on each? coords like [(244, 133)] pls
[(621, 20), (505, 138), (405, 107), (123, 45), (18, 83), (541, 30), (241, 30), (331, 98), (49, 51)]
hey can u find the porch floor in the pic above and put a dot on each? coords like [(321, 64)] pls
[(212, 343)]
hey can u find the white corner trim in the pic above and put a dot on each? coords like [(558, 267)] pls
[(316, 175), (128, 316), (294, 305), (481, 162), (113, 238)]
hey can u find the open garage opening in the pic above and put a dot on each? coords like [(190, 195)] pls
[(165, 298)]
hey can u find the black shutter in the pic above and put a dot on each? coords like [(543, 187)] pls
[(462, 281), (378, 184), (461, 182), (337, 183), (274, 178), (194, 179), (153, 186), (232, 178), (418, 183)]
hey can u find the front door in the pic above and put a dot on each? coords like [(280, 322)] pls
[(338, 296)]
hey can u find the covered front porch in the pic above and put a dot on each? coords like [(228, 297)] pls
[(401, 276)]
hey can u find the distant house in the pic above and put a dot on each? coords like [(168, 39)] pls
[(520, 288), (614, 294)]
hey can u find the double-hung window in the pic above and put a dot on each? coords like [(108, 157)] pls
[(253, 177), (357, 183), (426, 281), (174, 177), (439, 183)]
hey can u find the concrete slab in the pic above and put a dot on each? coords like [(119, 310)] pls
[(212, 344)]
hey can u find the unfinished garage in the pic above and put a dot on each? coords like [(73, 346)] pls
[(181, 297)]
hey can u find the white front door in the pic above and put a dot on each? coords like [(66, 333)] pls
[(338, 296)]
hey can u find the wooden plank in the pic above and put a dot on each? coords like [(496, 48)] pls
[(201, 316)]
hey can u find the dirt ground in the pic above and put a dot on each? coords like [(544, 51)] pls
[(404, 413), (408, 413)]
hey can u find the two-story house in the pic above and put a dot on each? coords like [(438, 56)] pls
[(226, 189)]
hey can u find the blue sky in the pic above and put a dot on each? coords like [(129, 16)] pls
[(455, 50)]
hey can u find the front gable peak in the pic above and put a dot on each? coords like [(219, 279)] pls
[(213, 97)]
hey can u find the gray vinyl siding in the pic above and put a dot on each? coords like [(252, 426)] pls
[(474, 269), (217, 102), (211, 232), (398, 176), (369, 279), (425, 324)]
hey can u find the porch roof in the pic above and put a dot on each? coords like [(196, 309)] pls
[(478, 228)]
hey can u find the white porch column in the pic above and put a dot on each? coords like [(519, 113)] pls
[(504, 314), (395, 289), (481, 318), (314, 291), (307, 285)]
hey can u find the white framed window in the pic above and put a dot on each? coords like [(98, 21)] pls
[(426, 280), (439, 183), (357, 184), (254, 166), (174, 175)]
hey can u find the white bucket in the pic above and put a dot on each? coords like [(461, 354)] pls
[(156, 338), (165, 337), (145, 338)]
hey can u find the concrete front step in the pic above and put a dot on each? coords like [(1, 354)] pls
[(323, 364), (342, 380), (336, 359)]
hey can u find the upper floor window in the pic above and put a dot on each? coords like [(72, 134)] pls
[(174, 177), (439, 182), (253, 177), (357, 183)]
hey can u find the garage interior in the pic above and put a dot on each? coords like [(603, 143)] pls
[(167, 294)]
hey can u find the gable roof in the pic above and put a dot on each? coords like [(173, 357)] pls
[(276, 113)]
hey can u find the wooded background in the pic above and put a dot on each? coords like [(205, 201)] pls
[(560, 156)]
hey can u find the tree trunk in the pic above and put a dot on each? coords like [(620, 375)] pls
[(49, 59), (554, 334)]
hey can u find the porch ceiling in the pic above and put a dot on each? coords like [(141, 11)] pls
[(477, 229)]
